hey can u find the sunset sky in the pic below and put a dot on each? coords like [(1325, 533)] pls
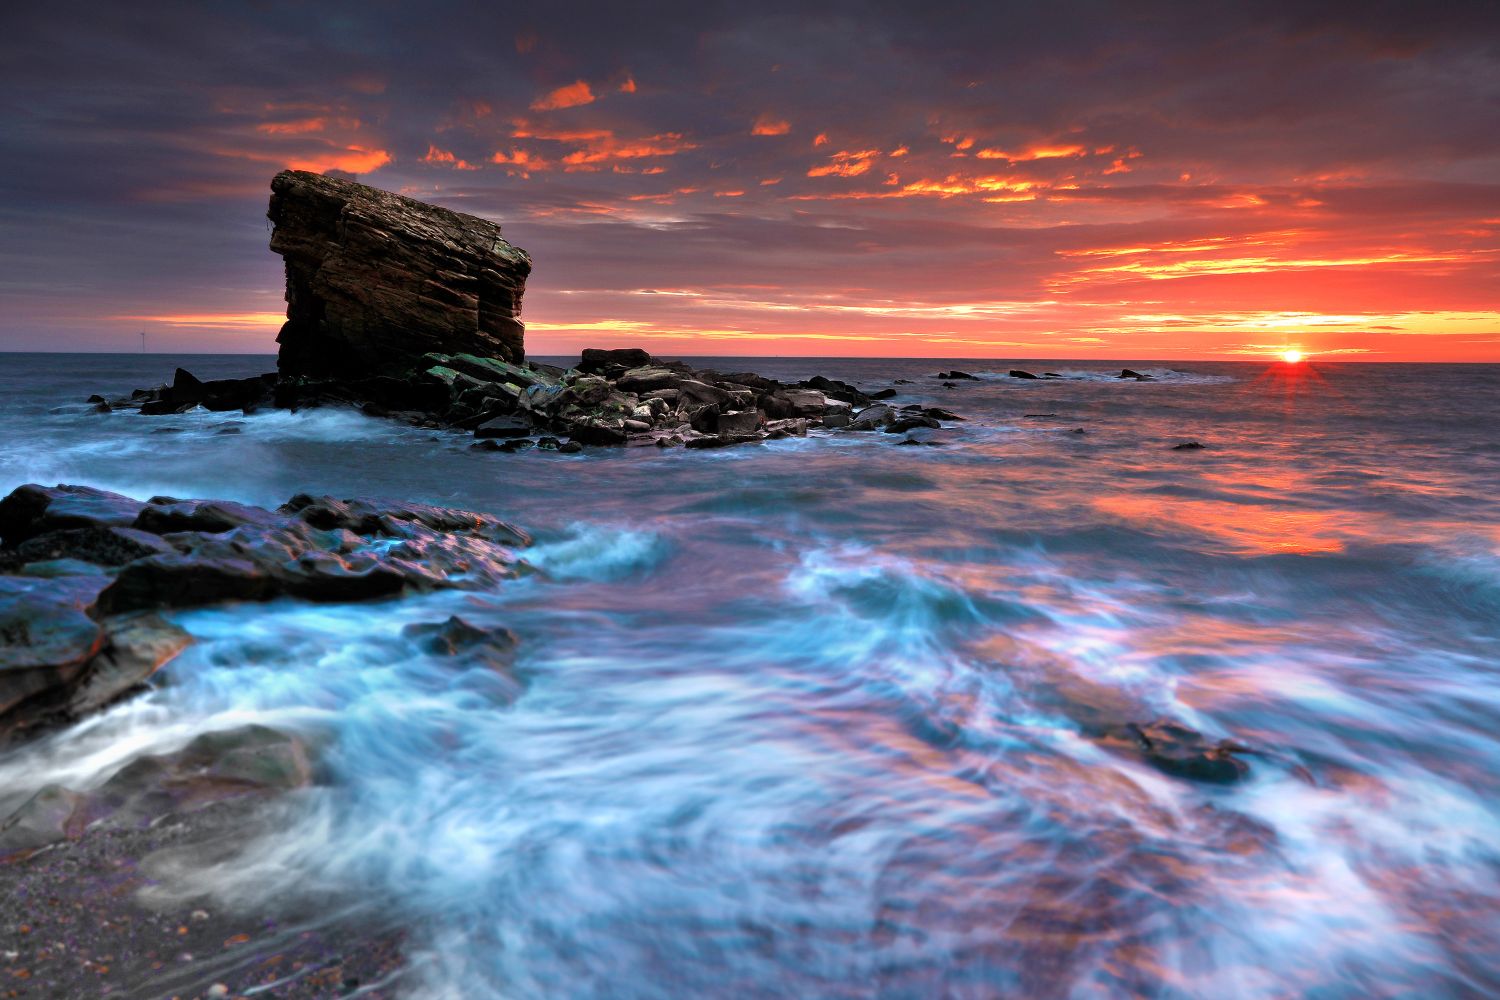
[(1129, 180)]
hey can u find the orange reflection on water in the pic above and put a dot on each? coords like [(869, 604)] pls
[(1240, 528)]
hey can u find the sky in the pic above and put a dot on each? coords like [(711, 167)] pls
[(1133, 180)]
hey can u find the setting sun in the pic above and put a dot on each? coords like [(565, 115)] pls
[(1291, 355)]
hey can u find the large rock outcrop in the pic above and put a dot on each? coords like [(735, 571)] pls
[(375, 280)]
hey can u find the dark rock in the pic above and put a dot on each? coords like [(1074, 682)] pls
[(569, 448), (31, 510), (741, 422), (596, 434), (909, 423), (647, 379), (162, 407), (96, 398), (596, 360), (1039, 416), (1187, 446), (376, 280), (1018, 373), (834, 389), (956, 375), (493, 647), (516, 444), (949, 385), (504, 427), (1078, 430), (100, 546), (1051, 375), (704, 419), (912, 441), (1174, 749), (884, 394), (164, 514), (1128, 373), (46, 637), (901, 381), (938, 413), (872, 417)]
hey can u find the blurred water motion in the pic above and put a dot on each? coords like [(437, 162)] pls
[(836, 718)]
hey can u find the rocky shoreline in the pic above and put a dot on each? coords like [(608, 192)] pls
[(620, 397), (88, 583)]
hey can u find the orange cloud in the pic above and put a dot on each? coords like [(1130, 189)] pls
[(350, 159), (846, 164), (211, 321), (523, 161), (573, 95), (820, 139), (301, 126), (436, 155), (606, 147), (1042, 152), (628, 87), (766, 125)]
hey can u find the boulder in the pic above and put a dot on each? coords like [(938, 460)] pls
[(1129, 373), (504, 427), (956, 375), (872, 417), (910, 422), (375, 280), (738, 422), (31, 510), (1018, 373), (596, 360)]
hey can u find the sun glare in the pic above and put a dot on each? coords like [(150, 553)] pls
[(1291, 355)]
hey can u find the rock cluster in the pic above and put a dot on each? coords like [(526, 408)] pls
[(84, 573), (613, 397), (375, 280)]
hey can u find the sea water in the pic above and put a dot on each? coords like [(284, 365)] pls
[(814, 717)]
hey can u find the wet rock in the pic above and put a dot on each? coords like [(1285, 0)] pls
[(834, 389), (46, 818), (1078, 430), (938, 413), (1018, 373), (31, 510), (909, 423), (1174, 749), (872, 417), (956, 375), (1187, 446), (884, 394), (96, 545), (504, 427), (376, 280), (1128, 373), (569, 448), (835, 420), (164, 514), (46, 637), (496, 647)]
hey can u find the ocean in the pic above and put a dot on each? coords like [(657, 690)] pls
[(816, 717)]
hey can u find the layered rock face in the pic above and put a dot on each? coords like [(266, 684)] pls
[(375, 280)]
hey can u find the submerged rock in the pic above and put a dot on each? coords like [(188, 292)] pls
[(375, 280), (1174, 749)]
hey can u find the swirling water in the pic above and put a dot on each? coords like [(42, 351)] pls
[(812, 718)]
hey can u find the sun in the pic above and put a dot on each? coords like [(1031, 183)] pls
[(1291, 355)]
